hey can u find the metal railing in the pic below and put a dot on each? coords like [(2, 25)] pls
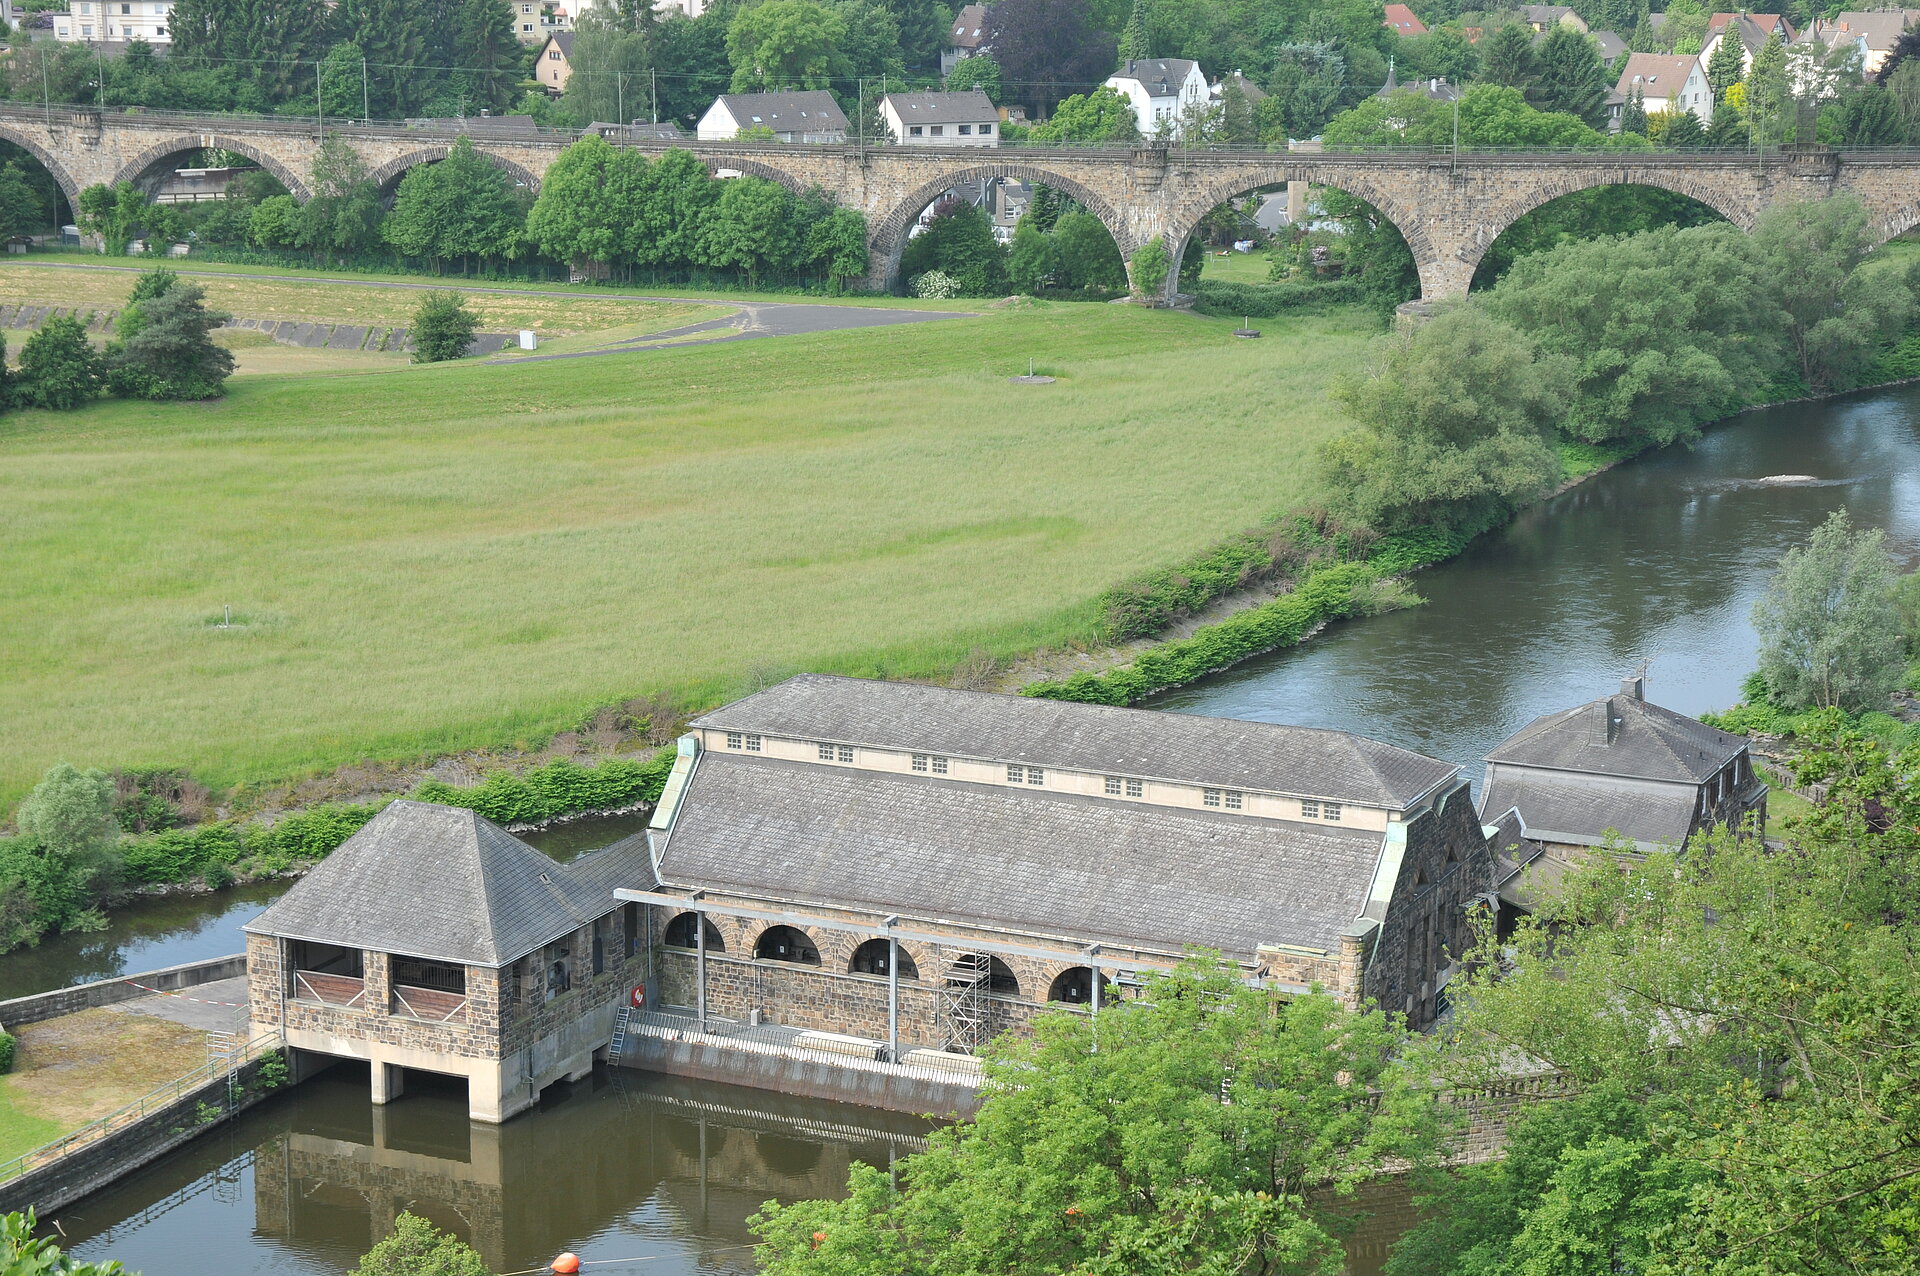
[(140, 1109), (333, 990), (434, 1005), (777, 1042)]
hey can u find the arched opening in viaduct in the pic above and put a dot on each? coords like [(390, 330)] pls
[(1378, 236), (1604, 208), (154, 170), (53, 187), (995, 189), (389, 175)]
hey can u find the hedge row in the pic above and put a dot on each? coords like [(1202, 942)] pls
[(1329, 594), (1265, 301), (559, 788)]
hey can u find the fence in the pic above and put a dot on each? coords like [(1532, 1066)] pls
[(780, 1043), (140, 1109)]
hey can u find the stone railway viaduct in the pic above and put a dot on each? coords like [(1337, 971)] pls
[(1449, 207)]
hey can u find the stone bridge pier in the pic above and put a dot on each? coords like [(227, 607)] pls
[(1449, 208)]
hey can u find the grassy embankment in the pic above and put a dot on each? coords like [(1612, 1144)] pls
[(425, 560), (80, 1067)]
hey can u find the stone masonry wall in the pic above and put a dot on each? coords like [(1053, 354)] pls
[(1425, 923)]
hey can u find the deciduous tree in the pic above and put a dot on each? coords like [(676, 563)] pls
[(1829, 632), (443, 328), (59, 368), (1047, 49), (416, 1247), (783, 45), (166, 348)]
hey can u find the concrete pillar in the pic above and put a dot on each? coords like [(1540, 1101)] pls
[(389, 1081), (1296, 203)]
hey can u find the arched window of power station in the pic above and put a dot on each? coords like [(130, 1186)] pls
[(871, 959), (1074, 986), (680, 933), (784, 943)]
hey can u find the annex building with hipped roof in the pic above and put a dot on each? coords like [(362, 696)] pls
[(925, 868), (1619, 769), (434, 940)]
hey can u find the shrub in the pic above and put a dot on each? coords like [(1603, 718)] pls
[(1265, 301), (8, 1044), (166, 350), (935, 285), (442, 328), (59, 368), (1150, 266)]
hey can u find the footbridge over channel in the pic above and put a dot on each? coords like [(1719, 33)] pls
[(1450, 207)]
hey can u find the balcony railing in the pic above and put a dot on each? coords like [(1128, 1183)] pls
[(334, 990), (431, 1004)]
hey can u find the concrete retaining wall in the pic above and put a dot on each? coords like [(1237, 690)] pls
[(105, 992), (97, 1165), (891, 1093)]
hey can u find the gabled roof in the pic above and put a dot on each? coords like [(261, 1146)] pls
[(1752, 28), (969, 107), (1160, 77), (1248, 89), (1184, 748), (806, 112), (1619, 736), (1610, 44), (1881, 30), (969, 27), (443, 883), (561, 40), (1045, 863), (1656, 75), (1399, 18)]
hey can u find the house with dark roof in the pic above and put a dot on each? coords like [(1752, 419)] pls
[(966, 38), (1162, 91), (941, 119), (553, 62), (1872, 33), (1545, 17), (810, 116), (1620, 767), (434, 940), (1750, 29), (924, 868)]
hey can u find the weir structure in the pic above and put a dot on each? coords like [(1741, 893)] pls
[(1449, 205)]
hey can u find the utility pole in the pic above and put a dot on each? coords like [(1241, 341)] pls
[(653, 92), (46, 94), (620, 96), (366, 95), (319, 104)]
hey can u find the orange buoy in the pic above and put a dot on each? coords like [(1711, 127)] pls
[(565, 1265)]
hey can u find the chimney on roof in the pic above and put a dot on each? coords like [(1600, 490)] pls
[(1604, 725), (1634, 688)]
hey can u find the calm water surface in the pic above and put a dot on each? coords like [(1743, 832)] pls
[(1657, 561)]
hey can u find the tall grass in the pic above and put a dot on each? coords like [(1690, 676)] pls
[(461, 556)]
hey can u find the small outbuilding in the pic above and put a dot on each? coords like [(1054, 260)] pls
[(811, 116), (435, 940)]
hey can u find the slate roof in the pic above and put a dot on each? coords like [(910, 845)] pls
[(1161, 77), (1647, 742), (1046, 863), (1881, 30), (1184, 748), (1560, 809), (562, 40), (969, 107), (969, 27), (1248, 89), (813, 111), (443, 883), (1610, 44)]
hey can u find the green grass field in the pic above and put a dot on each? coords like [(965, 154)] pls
[(435, 558), (1237, 268)]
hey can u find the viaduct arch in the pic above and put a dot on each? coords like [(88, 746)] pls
[(1450, 208)]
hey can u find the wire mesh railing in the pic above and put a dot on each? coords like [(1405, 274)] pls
[(214, 1070)]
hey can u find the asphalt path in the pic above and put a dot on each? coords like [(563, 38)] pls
[(748, 321)]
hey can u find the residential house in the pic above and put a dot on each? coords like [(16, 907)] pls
[(117, 21), (1610, 44), (1433, 87), (1624, 766), (941, 119), (808, 116), (1873, 33), (1162, 91), (535, 20), (966, 38), (1751, 29), (1402, 21), (1544, 17), (1667, 82), (433, 940), (553, 64), (922, 867), (1252, 92)]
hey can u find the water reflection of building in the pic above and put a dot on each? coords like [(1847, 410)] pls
[(677, 1160)]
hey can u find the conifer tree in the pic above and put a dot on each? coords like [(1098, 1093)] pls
[(1571, 76), (1133, 40), (1509, 59), (1727, 64)]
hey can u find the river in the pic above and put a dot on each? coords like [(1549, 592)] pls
[(1658, 560)]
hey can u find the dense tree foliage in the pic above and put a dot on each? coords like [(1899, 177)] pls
[(164, 347), (64, 859), (959, 242), (416, 1247), (443, 328), (1830, 635), (1202, 1135), (59, 368), (461, 208)]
